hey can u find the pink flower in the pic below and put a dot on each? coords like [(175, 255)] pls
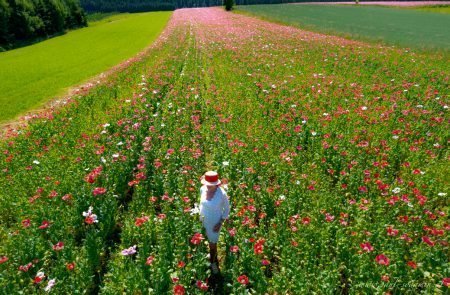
[(150, 260), (25, 267), (3, 259), (382, 259), (197, 238), (129, 251), (234, 249), (366, 247), (265, 262), (306, 220), (58, 246), (99, 191), (329, 217), (90, 217), (446, 282), (26, 222), (44, 225), (428, 241), (202, 285)]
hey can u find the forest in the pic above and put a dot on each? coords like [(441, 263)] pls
[(23, 21)]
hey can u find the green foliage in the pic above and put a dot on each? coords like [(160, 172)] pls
[(67, 60), (22, 20), (228, 4)]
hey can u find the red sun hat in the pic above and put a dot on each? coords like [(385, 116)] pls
[(211, 178)]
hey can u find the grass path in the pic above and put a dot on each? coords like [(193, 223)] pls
[(32, 75)]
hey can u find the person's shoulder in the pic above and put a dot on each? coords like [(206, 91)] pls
[(223, 191)]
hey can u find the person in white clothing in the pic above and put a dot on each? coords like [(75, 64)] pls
[(214, 210)]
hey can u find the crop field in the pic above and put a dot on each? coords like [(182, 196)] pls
[(31, 75), (334, 154), (391, 26)]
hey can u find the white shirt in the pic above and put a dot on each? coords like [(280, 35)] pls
[(211, 211)]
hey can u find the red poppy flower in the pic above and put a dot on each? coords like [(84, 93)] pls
[(366, 247), (202, 285), (178, 290), (234, 249), (181, 264), (70, 266), (265, 262), (44, 225), (150, 260), (26, 222), (382, 259), (99, 191), (412, 264), (3, 259), (25, 267), (446, 282), (428, 241), (39, 277), (141, 220), (197, 238), (243, 279), (58, 246)]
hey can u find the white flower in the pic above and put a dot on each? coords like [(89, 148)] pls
[(103, 160), (325, 114), (396, 190), (364, 108), (313, 133), (419, 106), (115, 155), (50, 285), (128, 100), (297, 182), (195, 210), (446, 107), (106, 125), (395, 137), (120, 143), (282, 197), (225, 163), (442, 194), (304, 122), (36, 162), (155, 91)]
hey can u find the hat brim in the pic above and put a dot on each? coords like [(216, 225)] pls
[(203, 181)]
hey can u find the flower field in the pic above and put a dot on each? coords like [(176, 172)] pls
[(334, 154)]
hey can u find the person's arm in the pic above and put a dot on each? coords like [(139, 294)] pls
[(225, 207)]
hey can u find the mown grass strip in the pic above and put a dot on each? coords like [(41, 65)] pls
[(392, 26), (31, 75)]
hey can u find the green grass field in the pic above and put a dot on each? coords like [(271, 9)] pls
[(434, 8), (392, 26), (32, 75)]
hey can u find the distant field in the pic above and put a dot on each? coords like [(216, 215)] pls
[(435, 8), (403, 27), (31, 75)]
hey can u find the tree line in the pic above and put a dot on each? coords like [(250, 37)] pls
[(25, 20), (149, 5)]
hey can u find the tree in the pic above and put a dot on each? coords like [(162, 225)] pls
[(228, 4)]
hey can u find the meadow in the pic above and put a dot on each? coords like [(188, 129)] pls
[(34, 74), (387, 25), (334, 154)]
